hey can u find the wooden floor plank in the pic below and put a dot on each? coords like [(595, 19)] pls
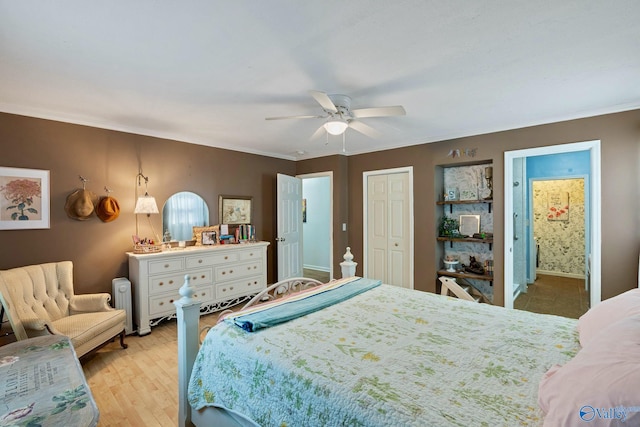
[(138, 385)]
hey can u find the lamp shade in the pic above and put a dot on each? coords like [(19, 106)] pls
[(146, 205), (336, 126)]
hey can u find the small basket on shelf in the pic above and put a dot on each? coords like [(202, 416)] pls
[(146, 249)]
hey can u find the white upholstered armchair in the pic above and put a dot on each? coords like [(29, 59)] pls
[(39, 300)]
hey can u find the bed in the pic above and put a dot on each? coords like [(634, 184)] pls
[(391, 356)]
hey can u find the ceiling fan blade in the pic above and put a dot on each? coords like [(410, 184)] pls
[(396, 110), (318, 132), (324, 100), (295, 117), (364, 129)]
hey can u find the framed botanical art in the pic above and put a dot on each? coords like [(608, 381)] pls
[(235, 209), (24, 198)]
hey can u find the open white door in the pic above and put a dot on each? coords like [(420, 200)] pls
[(289, 237)]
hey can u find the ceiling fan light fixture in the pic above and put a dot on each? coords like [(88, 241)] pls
[(336, 126)]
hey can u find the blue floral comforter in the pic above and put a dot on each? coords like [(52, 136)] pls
[(390, 356)]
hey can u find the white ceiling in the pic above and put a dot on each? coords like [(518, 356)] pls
[(209, 72)]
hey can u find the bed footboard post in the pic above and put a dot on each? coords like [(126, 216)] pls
[(188, 317), (348, 267)]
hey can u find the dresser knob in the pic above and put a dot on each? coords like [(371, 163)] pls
[(231, 288), (202, 277), (224, 272), (166, 266), (161, 283), (249, 268), (226, 257), (230, 271), (199, 261), (161, 303), (171, 301), (194, 278), (171, 282)]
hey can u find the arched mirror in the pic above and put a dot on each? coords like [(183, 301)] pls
[(182, 212)]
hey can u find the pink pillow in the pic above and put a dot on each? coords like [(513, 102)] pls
[(600, 386), (608, 312)]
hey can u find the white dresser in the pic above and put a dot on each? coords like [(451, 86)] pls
[(223, 276)]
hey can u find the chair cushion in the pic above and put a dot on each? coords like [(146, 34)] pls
[(84, 328)]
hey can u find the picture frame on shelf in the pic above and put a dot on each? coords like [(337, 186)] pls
[(199, 231), (24, 199), (469, 225), (235, 210), (468, 194), (452, 194), (209, 238)]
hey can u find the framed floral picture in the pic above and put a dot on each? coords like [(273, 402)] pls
[(558, 206), (24, 198)]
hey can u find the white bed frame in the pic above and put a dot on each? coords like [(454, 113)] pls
[(188, 315)]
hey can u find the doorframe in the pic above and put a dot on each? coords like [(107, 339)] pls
[(328, 174), (365, 237), (595, 226)]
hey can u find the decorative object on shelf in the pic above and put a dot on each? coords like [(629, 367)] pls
[(235, 209), (450, 262), (474, 266), (558, 203), (449, 227), (81, 203), (108, 208), (24, 198), (451, 194), (469, 225), (488, 176), (468, 194), (145, 205), (456, 152), (488, 267)]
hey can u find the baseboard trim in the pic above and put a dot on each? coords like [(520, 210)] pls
[(318, 268), (561, 274)]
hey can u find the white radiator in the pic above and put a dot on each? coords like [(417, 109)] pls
[(122, 300)]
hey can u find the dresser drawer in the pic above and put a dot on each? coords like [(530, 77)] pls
[(171, 282), (166, 266), (163, 304), (250, 254), (250, 285), (232, 272), (210, 259)]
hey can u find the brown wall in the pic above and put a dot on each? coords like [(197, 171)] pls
[(112, 159), (620, 150)]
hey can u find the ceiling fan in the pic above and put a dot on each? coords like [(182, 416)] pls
[(339, 115)]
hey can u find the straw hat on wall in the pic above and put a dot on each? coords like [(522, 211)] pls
[(80, 204)]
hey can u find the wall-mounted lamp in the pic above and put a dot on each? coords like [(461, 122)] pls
[(145, 204), (336, 126)]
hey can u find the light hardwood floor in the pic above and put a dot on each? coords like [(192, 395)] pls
[(138, 386)]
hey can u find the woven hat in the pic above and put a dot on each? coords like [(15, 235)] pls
[(108, 209), (80, 204)]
